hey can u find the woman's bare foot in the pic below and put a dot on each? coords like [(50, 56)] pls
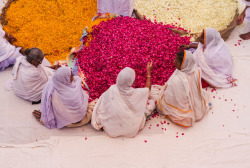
[(245, 36)]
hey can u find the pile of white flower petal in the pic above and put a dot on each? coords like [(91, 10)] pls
[(193, 15)]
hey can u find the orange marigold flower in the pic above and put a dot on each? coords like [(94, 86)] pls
[(53, 26)]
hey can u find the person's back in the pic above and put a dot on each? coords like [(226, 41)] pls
[(122, 110), (182, 99), (63, 101), (29, 76)]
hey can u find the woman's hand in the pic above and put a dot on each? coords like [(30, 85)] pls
[(149, 67), (183, 47), (240, 19), (55, 67)]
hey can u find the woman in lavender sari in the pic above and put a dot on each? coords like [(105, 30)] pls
[(64, 102)]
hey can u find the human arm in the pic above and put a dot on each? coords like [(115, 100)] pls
[(242, 16), (148, 80), (55, 67), (10, 38), (184, 46)]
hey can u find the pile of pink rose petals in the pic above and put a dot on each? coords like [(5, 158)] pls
[(128, 42)]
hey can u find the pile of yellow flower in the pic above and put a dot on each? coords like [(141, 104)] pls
[(193, 15), (54, 26)]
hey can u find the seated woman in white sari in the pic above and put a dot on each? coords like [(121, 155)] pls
[(8, 52), (245, 16), (214, 58), (64, 102), (122, 109), (182, 99), (29, 76)]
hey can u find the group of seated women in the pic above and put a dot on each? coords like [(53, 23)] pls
[(122, 110)]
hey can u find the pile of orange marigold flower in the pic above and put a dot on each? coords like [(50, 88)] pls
[(54, 26)]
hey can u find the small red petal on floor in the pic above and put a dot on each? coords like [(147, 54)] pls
[(165, 129), (176, 132), (165, 122), (157, 125), (233, 110), (168, 123), (145, 141), (222, 125), (235, 44), (162, 128), (176, 136), (86, 138), (149, 127), (225, 99), (212, 112), (182, 134), (213, 96)]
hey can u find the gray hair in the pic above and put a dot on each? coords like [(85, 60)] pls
[(34, 54)]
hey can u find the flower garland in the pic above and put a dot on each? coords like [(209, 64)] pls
[(53, 26), (194, 15), (128, 42)]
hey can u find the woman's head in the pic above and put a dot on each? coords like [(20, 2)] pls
[(63, 75), (179, 59), (185, 61), (34, 56), (125, 78)]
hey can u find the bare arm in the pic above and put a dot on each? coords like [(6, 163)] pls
[(148, 80), (240, 19), (193, 46)]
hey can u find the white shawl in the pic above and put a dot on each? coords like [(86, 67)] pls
[(6, 49), (182, 98), (120, 111), (215, 60), (28, 80)]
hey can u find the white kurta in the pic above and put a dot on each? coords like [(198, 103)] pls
[(119, 7), (28, 80)]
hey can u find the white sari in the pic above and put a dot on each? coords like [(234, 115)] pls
[(182, 99), (247, 17), (27, 80), (120, 111), (215, 60)]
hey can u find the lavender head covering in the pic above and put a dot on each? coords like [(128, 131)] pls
[(70, 94)]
